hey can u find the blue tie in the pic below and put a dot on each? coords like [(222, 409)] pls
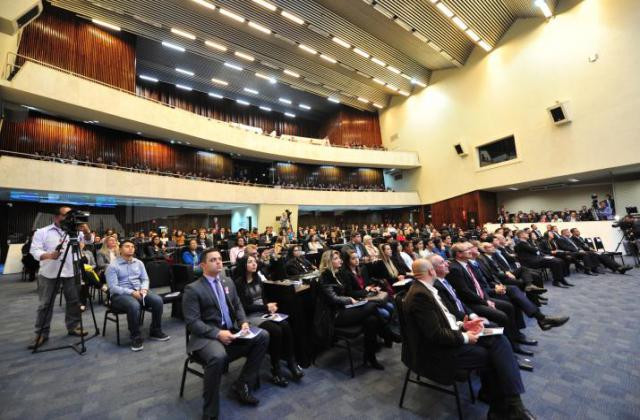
[(453, 293), (222, 302)]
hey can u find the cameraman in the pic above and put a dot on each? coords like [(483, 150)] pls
[(43, 248)]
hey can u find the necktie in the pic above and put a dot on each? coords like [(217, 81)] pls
[(222, 302), (453, 294), (504, 261), (475, 282)]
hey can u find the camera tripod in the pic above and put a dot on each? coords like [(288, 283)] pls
[(76, 257), (632, 249)]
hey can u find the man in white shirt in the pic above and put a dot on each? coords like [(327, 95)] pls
[(44, 249)]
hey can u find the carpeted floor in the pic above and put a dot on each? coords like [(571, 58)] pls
[(588, 369)]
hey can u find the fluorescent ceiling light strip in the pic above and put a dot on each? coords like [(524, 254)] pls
[(544, 7), (329, 59), (266, 4), (260, 28), (406, 76), (459, 23), (148, 78), (303, 106), (242, 102), (393, 88), (265, 108), (105, 24), (307, 49), (232, 15), (184, 87), (265, 77), (183, 33), (233, 66), (378, 105), (444, 9), (205, 3), (285, 100), (378, 81), (404, 93), (290, 115), (485, 46), (420, 36), (253, 91), (363, 100), (172, 46), (471, 34), (215, 45), (219, 82), (244, 56), (292, 17), (394, 70), (183, 71), (291, 73), (334, 100), (361, 52), (341, 42), (418, 82), (215, 95), (378, 61)]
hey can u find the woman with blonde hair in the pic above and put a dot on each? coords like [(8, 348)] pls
[(386, 269), (374, 253), (108, 252)]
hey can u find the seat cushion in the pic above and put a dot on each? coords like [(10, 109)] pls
[(352, 331)]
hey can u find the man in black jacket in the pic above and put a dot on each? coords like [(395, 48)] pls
[(603, 259), (590, 262), (356, 245), (530, 256), (434, 334)]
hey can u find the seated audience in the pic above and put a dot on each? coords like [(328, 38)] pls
[(214, 314), (203, 241), (238, 250), (248, 281), (530, 257), (401, 264), (315, 245), (191, 256), (603, 259), (385, 268), (356, 245), (129, 288), (296, 263), (372, 250), (436, 335), (155, 249), (108, 253), (421, 250)]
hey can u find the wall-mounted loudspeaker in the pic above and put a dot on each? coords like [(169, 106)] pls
[(15, 14), (559, 113), (460, 149)]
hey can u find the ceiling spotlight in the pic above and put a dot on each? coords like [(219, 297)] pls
[(574, 180), (183, 71), (303, 106), (215, 95), (513, 188), (290, 115), (148, 78), (242, 102), (265, 108), (292, 18), (172, 46), (105, 24), (183, 33), (215, 45), (184, 87), (341, 42)]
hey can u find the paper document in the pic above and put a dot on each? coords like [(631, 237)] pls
[(402, 282), (174, 294), (492, 331), (246, 334), (355, 305), (275, 317)]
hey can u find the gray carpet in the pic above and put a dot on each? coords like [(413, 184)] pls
[(588, 369)]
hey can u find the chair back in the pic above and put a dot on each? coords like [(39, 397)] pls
[(399, 303), (182, 275), (159, 273), (589, 242), (278, 270), (598, 244)]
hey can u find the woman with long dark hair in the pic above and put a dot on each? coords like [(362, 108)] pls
[(248, 282), (296, 263)]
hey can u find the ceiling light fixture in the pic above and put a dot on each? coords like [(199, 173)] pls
[(418, 82), (574, 180), (244, 56), (513, 188), (265, 108), (242, 102), (378, 61), (291, 73), (215, 45), (205, 3), (378, 81), (183, 71), (183, 33), (459, 23), (148, 78), (215, 95), (485, 46), (219, 82), (420, 36), (393, 69), (406, 76), (105, 24), (266, 4), (233, 66), (329, 59), (260, 28), (303, 106), (363, 100), (378, 105), (292, 17), (172, 46), (285, 101), (184, 87), (290, 115), (471, 34), (252, 91), (361, 52), (334, 100), (341, 42), (265, 77), (393, 88), (307, 49), (444, 9), (544, 7), (404, 93), (232, 15)]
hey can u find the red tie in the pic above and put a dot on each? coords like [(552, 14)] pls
[(475, 282)]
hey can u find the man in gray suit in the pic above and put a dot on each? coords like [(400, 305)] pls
[(213, 313)]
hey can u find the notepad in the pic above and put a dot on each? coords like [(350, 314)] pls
[(170, 295), (277, 317), (355, 305), (402, 282), (247, 334), (491, 331)]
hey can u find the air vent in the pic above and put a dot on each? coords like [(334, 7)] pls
[(548, 187)]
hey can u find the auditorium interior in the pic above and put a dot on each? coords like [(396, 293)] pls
[(385, 209)]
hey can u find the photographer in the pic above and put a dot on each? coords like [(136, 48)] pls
[(44, 249)]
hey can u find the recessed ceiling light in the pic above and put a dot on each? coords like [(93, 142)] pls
[(459, 23), (244, 56), (544, 7), (303, 106), (361, 52), (265, 108), (308, 49), (260, 28), (393, 88), (383, 11), (266, 4), (215, 95), (334, 100), (215, 45), (183, 33), (378, 81), (291, 73), (341, 42), (172, 141), (232, 15), (378, 61), (285, 101), (265, 77), (418, 82), (253, 91), (406, 76), (329, 59), (242, 102), (292, 17), (183, 71), (105, 24), (148, 78), (404, 25), (485, 46), (404, 93), (363, 100), (471, 34), (574, 180), (233, 66), (139, 133), (219, 82), (290, 115), (205, 3), (172, 46), (444, 9), (394, 70), (378, 105), (420, 36), (513, 188), (184, 87)]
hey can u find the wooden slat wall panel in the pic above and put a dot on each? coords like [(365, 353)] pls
[(227, 110), (293, 172), (480, 205), (59, 38), (46, 135), (350, 127)]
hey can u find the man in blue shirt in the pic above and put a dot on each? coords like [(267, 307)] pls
[(129, 287)]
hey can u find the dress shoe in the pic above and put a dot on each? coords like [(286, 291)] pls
[(517, 411), (566, 283), (389, 335), (560, 285), (242, 392), (296, 371), (535, 289), (590, 273), (624, 269), (550, 322), (497, 410), (373, 362), (40, 342), (77, 332), (527, 341), (278, 379), (520, 350), (525, 364)]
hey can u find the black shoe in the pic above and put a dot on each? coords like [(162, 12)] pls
[(560, 285), (40, 342), (77, 332), (590, 273), (543, 299), (520, 350), (550, 322), (373, 362), (624, 269), (526, 341), (296, 371), (525, 364), (243, 394), (278, 379), (389, 335), (497, 410), (159, 336), (136, 344), (566, 283), (535, 290), (519, 412)]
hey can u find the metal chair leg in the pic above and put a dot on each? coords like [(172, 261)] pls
[(457, 394), (473, 396), (104, 325), (184, 377), (353, 372), (117, 329), (404, 387)]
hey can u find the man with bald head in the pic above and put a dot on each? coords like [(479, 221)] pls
[(438, 342)]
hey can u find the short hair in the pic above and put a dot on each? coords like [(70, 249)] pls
[(457, 247), (126, 241), (354, 234), (203, 257), (250, 248), (573, 230)]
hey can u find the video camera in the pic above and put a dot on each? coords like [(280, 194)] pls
[(73, 219)]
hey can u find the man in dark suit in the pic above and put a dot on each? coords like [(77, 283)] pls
[(437, 342), (356, 246), (589, 261), (525, 278), (603, 259), (213, 314), (530, 256)]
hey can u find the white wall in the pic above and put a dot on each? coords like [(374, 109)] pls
[(569, 198), (239, 218), (507, 92), (627, 194)]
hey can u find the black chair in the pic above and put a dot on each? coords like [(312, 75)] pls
[(115, 317), (161, 276), (600, 247), (182, 275), (459, 376)]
